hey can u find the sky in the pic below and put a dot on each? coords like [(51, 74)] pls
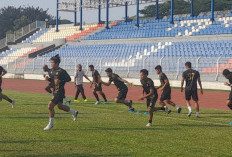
[(89, 16)]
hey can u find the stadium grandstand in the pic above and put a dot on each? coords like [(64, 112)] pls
[(126, 46)]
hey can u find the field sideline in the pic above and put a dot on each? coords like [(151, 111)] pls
[(109, 130)]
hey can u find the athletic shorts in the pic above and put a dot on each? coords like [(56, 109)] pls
[(122, 94), (152, 101), (230, 96), (58, 97), (166, 95), (98, 88), (191, 94)]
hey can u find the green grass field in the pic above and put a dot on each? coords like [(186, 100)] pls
[(109, 130)]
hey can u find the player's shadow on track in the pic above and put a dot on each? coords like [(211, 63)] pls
[(132, 129), (204, 125)]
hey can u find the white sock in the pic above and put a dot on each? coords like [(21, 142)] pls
[(67, 99), (197, 113), (71, 111), (51, 121), (189, 108), (177, 107)]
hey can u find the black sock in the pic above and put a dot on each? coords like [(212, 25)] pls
[(104, 97), (96, 96), (150, 121)]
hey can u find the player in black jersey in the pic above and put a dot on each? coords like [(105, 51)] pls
[(2, 96), (51, 83), (97, 85), (191, 77), (228, 75), (122, 88), (149, 93), (165, 88), (59, 77)]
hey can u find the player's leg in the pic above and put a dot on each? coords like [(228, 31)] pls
[(188, 95), (83, 93), (195, 99), (103, 96), (96, 96), (121, 99), (77, 92), (168, 100), (66, 108), (2, 96), (229, 101), (51, 106), (163, 103), (229, 104)]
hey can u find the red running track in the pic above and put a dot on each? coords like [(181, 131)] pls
[(210, 99)]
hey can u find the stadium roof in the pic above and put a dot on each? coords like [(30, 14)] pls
[(70, 5)]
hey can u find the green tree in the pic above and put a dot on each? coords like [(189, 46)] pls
[(12, 19)]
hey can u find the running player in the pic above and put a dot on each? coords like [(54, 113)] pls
[(60, 77), (78, 80), (122, 88), (2, 96), (191, 77), (97, 85), (228, 75), (51, 84), (165, 88), (149, 93)]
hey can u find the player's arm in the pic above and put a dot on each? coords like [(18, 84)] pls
[(166, 82), (106, 83), (227, 84), (147, 95), (87, 78), (64, 77), (159, 86), (125, 81), (182, 84), (199, 82), (4, 72), (75, 78)]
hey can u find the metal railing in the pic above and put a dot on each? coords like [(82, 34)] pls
[(12, 37), (210, 68)]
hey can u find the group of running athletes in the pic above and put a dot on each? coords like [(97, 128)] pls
[(58, 78)]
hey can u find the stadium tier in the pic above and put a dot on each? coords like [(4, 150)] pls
[(204, 54), (156, 28), (147, 55), (67, 32)]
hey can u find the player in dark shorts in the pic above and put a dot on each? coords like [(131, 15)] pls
[(149, 93), (59, 77), (228, 75), (2, 96), (51, 83), (165, 98), (122, 88), (97, 85), (191, 77)]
